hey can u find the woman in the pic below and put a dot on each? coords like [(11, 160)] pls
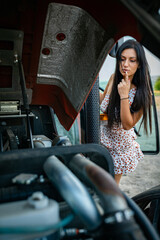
[(126, 98)]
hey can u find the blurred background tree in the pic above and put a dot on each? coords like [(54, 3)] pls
[(157, 84)]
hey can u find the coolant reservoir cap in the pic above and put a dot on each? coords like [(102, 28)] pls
[(38, 200)]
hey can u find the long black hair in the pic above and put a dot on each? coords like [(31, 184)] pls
[(141, 80)]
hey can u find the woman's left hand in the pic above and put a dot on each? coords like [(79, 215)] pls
[(124, 87)]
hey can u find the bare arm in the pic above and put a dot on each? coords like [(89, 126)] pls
[(128, 119), (107, 89)]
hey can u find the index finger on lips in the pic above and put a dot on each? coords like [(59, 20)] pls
[(126, 77)]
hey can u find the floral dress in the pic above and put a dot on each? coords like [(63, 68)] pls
[(121, 143)]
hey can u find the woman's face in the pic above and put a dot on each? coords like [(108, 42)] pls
[(128, 62)]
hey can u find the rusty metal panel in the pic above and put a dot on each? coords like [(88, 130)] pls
[(73, 49)]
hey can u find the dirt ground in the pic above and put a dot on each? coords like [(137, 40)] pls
[(147, 173)]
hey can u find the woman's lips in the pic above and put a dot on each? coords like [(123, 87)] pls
[(125, 70)]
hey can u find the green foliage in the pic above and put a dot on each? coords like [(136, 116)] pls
[(157, 84)]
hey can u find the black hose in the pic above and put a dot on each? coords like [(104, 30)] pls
[(74, 192), (142, 220)]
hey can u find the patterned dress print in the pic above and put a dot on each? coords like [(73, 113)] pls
[(121, 143)]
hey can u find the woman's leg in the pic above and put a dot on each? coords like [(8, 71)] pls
[(117, 178)]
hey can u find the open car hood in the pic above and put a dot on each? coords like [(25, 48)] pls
[(73, 49)]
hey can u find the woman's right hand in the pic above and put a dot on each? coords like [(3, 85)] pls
[(124, 87)]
